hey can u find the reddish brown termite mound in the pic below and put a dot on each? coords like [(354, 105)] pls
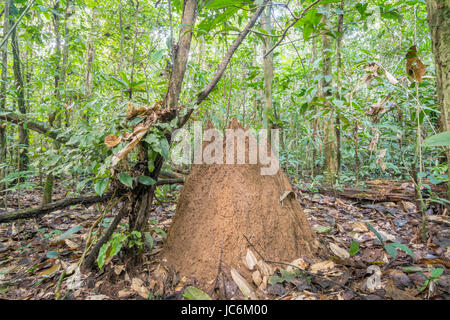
[(219, 204)]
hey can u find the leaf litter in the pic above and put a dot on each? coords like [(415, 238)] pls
[(34, 254)]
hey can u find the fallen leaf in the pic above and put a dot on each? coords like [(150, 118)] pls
[(256, 277), (97, 297), (250, 259), (242, 284), (138, 286), (50, 272), (397, 294), (322, 266), (112, 141), (297, 262), (322, 229), (341, 253)]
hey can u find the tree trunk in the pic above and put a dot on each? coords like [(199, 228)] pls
[(439, 22), (3, 127), (89, 75), (329, 131), (340, 30), (268, 70), (143, 195), (56, 116), (18, 80)]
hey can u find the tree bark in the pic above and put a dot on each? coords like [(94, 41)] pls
[(50, 207), (439, 22), (19, 83), (3, 128), (181, 53), (268, 70), (329, 131)]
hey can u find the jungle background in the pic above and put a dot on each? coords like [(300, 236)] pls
[(352, 86)]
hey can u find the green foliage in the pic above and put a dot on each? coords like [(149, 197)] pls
[(391, 248), (354, 248), (434, 277), (438, 140), (193, 293)]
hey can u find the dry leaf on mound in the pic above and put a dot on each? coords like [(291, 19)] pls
[(243, 285), (250, 260)]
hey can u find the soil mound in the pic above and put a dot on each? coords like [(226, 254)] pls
[(219, 204)]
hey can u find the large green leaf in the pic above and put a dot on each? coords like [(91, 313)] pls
[(146, 180), (126, 179), (100, 186), (438, 140), (193, 293), (70, 232)]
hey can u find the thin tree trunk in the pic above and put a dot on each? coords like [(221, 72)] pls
[(3, 127), (19, 83), (268, 70), (340, 30), (439, 22), (55, 118), (89, 75), (329, 132)]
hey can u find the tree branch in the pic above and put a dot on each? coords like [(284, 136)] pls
[(226, 59), (39, 211), (283, 35), (32, 124)]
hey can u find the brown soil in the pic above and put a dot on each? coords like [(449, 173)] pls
[(224, 202)]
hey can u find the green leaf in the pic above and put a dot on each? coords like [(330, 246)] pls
[(376, 233), (146, 180), (100, 186), (160, 232), (436, 272), (157, 55), (391, 250), (70, 232), (354, 248), (322, 229), (438, 140), (287, 276), (126, 179), (193, 293), (149, 239), (52, 254), (274, 280), (102, 255), (425, 285), (164, 148)]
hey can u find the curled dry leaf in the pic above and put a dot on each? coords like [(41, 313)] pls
[(265, 269), (414, 67), (250, 260), (131, 111), (112, 141)]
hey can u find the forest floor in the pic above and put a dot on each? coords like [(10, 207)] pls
[(35, 252)]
